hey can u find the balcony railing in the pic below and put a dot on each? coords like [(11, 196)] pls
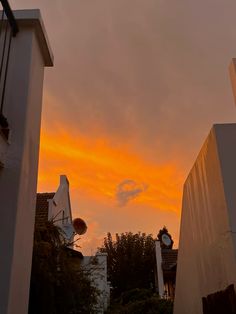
[(8, 29)]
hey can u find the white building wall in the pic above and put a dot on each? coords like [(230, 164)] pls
[(160, 278), (59, 209), (18, 178), (96, 267), (206, 259), (59, 206)]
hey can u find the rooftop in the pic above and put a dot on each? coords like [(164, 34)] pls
[(169, 259), (42, 208)]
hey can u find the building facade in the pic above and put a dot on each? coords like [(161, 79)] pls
[(21, 90), (56, 207), (166, 265), (96, 267), (207, 247)]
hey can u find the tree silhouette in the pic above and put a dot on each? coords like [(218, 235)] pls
[(131, 261), (58, 284)]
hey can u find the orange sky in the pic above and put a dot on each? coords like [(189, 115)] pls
[(95, 167), (135, 88)]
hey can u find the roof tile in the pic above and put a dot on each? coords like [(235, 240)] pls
[(42, 208), (169, 258)]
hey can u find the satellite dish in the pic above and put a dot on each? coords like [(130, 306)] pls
[(79, 225)]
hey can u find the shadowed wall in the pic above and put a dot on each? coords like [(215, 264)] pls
[(206, 262)]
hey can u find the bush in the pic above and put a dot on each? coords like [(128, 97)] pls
[(152, 305), (135, 295), (140, 301)]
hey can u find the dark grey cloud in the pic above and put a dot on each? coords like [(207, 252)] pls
[(128, 190), (151, 70)]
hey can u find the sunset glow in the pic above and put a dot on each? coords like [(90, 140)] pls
[(126, 107), (95, 168), (96, 165)]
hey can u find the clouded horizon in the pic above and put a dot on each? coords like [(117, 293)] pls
[(135, 89)]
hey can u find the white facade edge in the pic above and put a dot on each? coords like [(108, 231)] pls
[(34, 19), (161, 288)]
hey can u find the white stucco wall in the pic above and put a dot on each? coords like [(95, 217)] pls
[(98, 274), (160, 279), (18, 177), (206, 259), (59, 208)]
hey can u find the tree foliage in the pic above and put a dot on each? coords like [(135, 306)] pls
[(58, 284), (131, 261)]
